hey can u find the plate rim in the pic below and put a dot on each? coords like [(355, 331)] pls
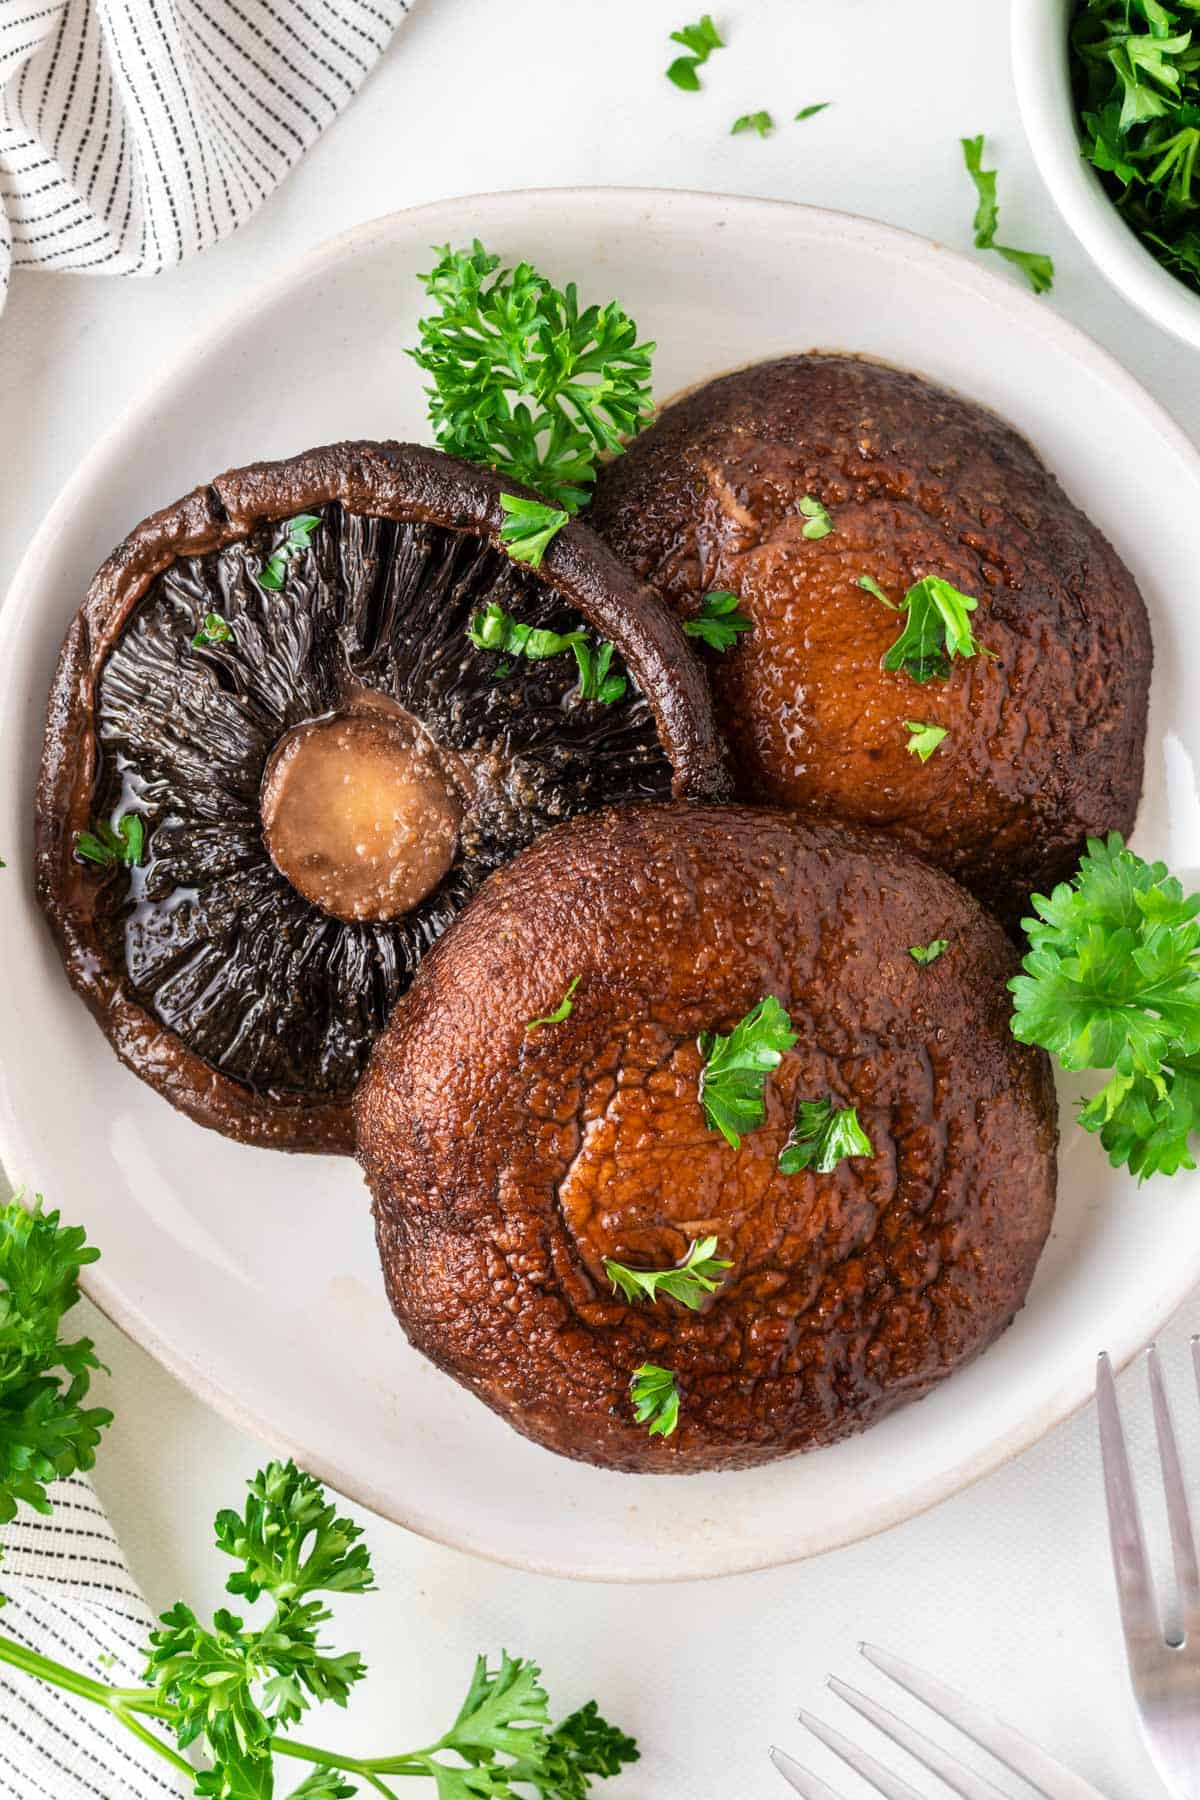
[(1076, 1389)]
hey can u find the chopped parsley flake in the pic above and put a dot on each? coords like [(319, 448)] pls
[(937, 629), (561, 1011), (718, 623), (1038, 269), (697, 1276), (655, 1399), (819, 522), (736, 1067), (297, 537), (822, 1137), (528, 528), (216, 629), (495, 629), (762, 122), (701, 40), (929, 953), (810, 112), (107, 847), (923, 740)]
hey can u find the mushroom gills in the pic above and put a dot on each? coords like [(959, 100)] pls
[(256, 930)]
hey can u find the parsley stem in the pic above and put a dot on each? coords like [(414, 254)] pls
[(152, 1742), (117, 1701), (370, 1768)]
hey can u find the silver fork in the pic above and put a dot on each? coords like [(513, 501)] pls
[(1165, 1675), (1044, 1775)]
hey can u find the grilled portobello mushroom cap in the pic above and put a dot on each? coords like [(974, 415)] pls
[(322, 790), (1045, 737), (507, 1164)]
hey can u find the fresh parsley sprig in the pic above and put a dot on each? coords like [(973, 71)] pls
[(46, 1431), (698, 1275), (823, 1136), (230, 1692), (655, 1394), (1111, 981), (107, 847), (734, 1077), (700, 40), (297, 536), (718, 624), (522, 379), (1038, 269)]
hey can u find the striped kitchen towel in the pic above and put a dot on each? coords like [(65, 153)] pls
[(70, 1596), (134, 132)]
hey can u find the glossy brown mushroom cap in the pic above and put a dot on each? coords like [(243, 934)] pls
[(1045, 737), (507, 1164)]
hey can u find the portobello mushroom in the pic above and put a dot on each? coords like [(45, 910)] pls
[(1044, 730), (293, 800), (507, 1164)]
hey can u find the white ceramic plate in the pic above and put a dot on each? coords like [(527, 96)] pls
[(252, 1275)]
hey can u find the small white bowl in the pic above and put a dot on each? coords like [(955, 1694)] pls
[(1042, 74)]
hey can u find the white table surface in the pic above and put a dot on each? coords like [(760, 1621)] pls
[(1006, 1588)]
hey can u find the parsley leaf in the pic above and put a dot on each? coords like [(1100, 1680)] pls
[(595, 681), (937, 629), (1112, 981), (697, 1275), (819, 522), (929, 953), (107, 847), (810, 112), (701, 39), (718, 623), (822, 1137), (1038, 269), (736, 1068), (216, 629), (923, 739), (297, 537), (495, 629), (529, 527), (522, 379), (655, 1399), (561, 1011), (45, 1430), (762, 122)]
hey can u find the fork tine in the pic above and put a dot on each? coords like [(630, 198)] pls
[(931, 1756), (1183, 1542), (811, 1787), (890, 1786), (1007, 1745), (1135, 1592)]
